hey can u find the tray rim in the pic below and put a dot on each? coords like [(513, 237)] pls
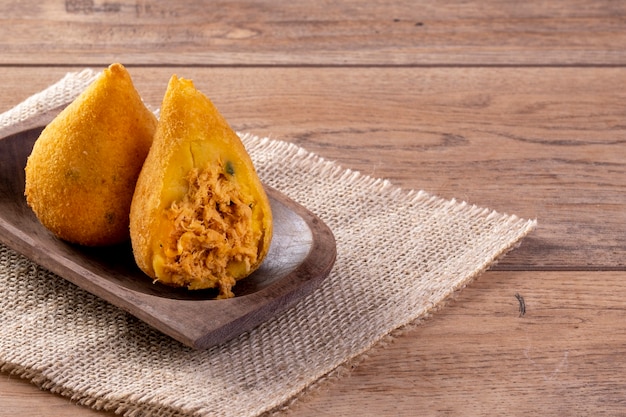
[(249, 310)]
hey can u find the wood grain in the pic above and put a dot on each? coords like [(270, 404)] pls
[(300, 257), (545, 143), (20, 398), (476, 356), (479, 357), (251, 32), (516, 106)]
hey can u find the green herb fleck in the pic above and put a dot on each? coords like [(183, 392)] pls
[(230, 169)]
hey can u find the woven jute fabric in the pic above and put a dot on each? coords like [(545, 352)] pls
[(400, 253)]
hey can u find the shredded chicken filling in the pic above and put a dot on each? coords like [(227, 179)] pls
[(212, 232)]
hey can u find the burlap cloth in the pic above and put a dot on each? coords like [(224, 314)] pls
[(400, 253)]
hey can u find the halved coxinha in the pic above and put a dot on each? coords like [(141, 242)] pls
[(199, 217)]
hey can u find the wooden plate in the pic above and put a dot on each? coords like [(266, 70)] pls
[(301, 255)]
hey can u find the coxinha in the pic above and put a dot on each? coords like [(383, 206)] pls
[(183, 188)]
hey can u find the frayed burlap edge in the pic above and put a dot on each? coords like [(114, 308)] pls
[(345, 369), (129, 408), (39, 109), (333, 170)]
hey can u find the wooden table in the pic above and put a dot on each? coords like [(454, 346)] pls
[(519, 106)]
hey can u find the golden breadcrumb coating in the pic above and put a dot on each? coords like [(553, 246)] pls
[(81, 174), (200, 217)]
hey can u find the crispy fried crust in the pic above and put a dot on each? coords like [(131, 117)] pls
[(200, 217), (81, 174)]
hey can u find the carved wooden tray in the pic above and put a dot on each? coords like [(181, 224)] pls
[(301, 256)]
